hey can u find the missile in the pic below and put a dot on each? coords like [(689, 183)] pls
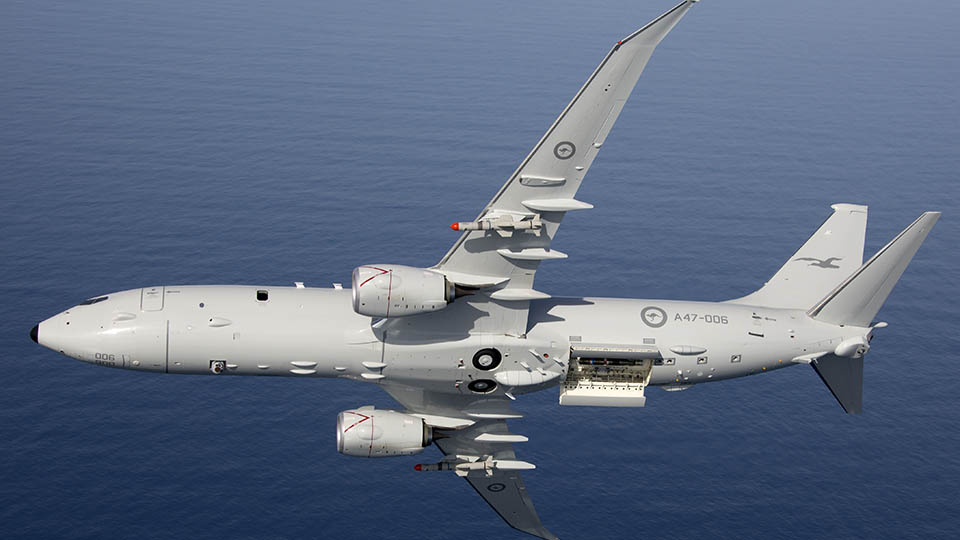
[(442, 466), (471, 226), (488, 466), (502, 223)]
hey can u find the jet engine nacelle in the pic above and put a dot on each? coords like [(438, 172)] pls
[(368, 432), (397, 291)]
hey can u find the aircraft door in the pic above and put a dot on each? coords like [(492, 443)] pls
[(151, 298), (150, 347), (202, 346)]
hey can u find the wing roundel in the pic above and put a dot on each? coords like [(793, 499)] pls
[(513, 233)]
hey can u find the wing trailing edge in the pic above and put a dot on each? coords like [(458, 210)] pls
[(501, 485)]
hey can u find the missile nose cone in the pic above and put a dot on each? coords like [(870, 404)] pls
[(34, 332)]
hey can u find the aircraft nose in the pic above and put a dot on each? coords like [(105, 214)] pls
[(35, 332)]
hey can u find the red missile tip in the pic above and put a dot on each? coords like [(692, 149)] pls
[(418, 467), (456, 227)]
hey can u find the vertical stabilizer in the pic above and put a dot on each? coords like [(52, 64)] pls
[(833, 252), (844, 378), (856, 301)]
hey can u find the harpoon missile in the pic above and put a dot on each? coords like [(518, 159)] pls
[(442, 466), (488, 466), (503, 224)]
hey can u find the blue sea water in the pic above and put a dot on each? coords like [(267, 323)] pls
[(146, 143)]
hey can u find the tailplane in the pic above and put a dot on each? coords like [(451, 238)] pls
[(827, 268), (856, 301), (833, 252)]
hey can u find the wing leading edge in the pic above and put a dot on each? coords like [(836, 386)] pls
[(512, 234), (500, 485), (477, 445)]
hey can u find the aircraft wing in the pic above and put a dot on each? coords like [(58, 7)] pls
[(473, 435), (495, 260), (503, 489), (500, 250)]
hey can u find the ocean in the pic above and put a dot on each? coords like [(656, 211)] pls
[(147, 143)]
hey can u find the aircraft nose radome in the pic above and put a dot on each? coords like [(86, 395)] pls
[(34, 332)]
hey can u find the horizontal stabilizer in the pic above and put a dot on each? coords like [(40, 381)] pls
[(856, 301), (833, 252), (844, 378)]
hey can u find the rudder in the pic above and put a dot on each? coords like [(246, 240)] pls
[(844, 379)]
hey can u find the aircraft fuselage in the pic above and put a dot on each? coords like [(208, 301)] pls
[(314, 332)]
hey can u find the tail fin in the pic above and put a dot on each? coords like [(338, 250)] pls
[(844, 378), (830, 255), (856, 301)]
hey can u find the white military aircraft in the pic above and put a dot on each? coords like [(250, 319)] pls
[(456, 343)]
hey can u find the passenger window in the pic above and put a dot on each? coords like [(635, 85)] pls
[(262, 295)]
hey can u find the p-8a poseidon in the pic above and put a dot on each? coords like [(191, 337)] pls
[(456, 343)]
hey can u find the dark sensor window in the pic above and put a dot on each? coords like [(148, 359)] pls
[(93, 300), (262, 295)]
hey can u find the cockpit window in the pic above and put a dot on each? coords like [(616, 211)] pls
[(93, 301)]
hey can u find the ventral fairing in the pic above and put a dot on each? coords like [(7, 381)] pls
[(457, 342)]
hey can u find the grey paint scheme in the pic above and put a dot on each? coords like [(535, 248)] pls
[(817, 309), (583, 127), (313, 332)]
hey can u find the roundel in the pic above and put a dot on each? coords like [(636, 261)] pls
[(487, 359), (482, 386), (564, 150), (653, 316), (497, 487)]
